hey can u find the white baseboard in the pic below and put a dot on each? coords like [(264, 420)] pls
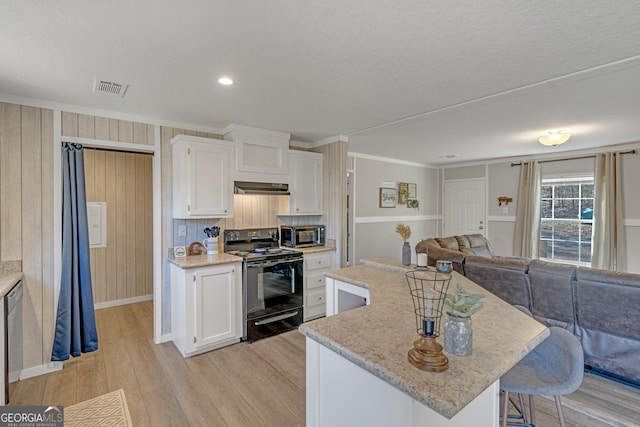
[(164, 338), (40, 370), (125, 301)]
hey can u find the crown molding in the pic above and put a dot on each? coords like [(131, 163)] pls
[(80, 109), (388, 160)]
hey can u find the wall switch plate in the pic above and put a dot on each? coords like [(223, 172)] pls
[(505, 209), (182, 231)]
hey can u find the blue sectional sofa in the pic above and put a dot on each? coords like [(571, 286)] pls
[(601, 308)]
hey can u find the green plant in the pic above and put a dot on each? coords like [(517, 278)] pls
[(461, 303)]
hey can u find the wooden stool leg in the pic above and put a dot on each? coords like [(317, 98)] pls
[(532, 410), (559, 407), (505, 408), (522, 408)]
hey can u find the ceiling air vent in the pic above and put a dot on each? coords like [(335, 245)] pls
[(110, 88), (450, 156)]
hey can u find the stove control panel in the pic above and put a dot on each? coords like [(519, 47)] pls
[(251, 234)]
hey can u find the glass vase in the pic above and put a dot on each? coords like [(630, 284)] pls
[(406, 254), (458, 336)]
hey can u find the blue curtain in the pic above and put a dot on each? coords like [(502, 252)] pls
[(75, 324)]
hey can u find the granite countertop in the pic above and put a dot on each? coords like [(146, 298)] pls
[(10, 274), (204, 260), (377, 338), (315, 249)]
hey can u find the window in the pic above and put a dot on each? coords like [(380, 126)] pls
[(567, 219)]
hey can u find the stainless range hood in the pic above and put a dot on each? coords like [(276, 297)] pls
[(267, 188)]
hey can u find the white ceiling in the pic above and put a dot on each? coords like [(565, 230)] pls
[(412, 80)]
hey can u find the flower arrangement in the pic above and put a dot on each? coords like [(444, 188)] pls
[(461, 303), (404, 231)]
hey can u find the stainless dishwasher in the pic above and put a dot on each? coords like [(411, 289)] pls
[(13, 337)]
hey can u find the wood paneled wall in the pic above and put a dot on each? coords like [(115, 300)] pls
[(335, 195), (250, 211), (124, 269), (26, 203), (103, 128), (26, 222)]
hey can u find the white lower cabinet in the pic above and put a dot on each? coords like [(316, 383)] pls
[(342, 296), (341, 393), (206, 307), (315, 265)]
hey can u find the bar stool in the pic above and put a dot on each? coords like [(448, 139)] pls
[(554, 368)]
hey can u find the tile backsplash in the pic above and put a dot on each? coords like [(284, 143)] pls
[(250, 211)]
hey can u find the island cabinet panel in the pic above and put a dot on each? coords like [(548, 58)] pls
[(202, 177), (342, 296), (206, 307), (357, 367), (340, 393)]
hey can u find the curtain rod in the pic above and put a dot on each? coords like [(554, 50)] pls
[(575, 158)]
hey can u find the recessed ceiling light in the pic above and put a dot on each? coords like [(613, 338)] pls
[(225, 81)]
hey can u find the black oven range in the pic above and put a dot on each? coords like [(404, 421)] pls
[(271, 282)]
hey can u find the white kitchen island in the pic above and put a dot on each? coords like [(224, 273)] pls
[(357, 368)]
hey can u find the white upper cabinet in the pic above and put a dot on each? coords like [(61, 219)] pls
[(261, 155), (202, 177), (305, 179)]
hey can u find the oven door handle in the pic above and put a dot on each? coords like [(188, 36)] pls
[(275, 318), (272, 263)]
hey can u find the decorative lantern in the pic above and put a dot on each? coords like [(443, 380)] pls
[(428, 290)]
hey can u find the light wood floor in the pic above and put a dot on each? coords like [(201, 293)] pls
[(261, 384)]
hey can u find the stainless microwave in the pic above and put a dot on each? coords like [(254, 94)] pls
[(301, 236)]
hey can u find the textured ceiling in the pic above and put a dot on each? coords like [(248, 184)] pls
[(411, 80)]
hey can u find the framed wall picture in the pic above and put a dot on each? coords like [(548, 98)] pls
[(388, 197), (413, 191), (403, 192)]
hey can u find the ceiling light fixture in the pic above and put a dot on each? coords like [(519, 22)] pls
[(225, 81), (554, 138)]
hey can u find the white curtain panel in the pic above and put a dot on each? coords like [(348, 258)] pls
[(527, 237), (608, 230)]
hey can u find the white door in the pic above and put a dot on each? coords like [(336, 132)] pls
[(465, 207)]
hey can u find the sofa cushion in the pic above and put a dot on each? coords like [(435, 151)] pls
[(448, 243), (552, 298), (506, 278), (424, 245), (441, 254), (607, 313), (608, 301), (483, 252), (474, 244)]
